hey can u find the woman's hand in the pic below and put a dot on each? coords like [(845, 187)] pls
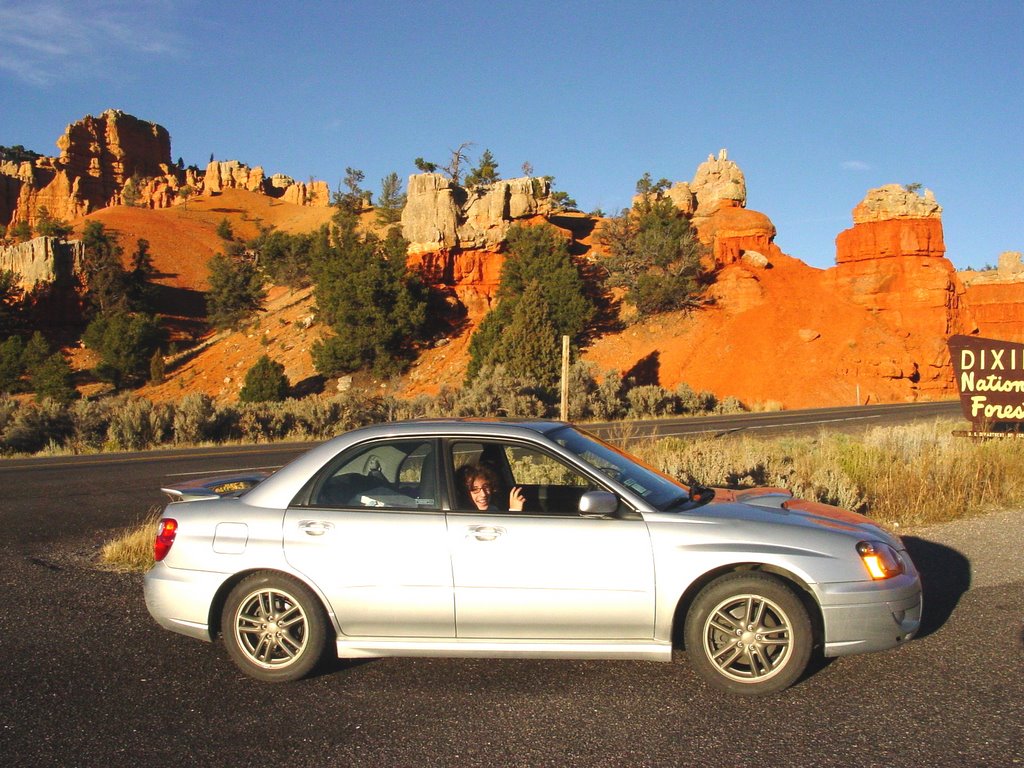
[(516, 500)]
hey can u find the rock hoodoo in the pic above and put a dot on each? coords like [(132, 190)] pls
[(456, 234), (717, 182), (716, 200), (102, 157), (441, 215)]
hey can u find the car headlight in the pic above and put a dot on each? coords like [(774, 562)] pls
[(881, 560)]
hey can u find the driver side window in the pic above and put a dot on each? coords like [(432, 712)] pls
[(547, 485)]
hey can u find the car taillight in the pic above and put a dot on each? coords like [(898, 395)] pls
[(164, 538)]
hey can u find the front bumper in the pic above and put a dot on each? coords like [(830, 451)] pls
[(870, 616)]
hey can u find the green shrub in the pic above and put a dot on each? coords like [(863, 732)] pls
[(131, 424), (52, 380), (90, 420), (650, 400), (265, 381), (690, 401), (496, 392), (225, 426), (730, 404), (260, 422), (36, 426), (318, 417), (193, 418)]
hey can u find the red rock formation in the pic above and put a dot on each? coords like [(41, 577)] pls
[(99, 155), (998, 309), (892, 261), (996, 298), (732, 231), (871, 329), (108, 150), (891, 238)]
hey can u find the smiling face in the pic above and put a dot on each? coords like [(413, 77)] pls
[(480, 484), (480, 491)]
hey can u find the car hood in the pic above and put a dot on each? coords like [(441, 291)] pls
[(780, 504)]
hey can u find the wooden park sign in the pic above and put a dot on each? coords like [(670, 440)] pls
[(990, 379)]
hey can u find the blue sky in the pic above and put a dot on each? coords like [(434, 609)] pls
[(817, 102)]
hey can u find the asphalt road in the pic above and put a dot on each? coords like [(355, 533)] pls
[(87, 678)]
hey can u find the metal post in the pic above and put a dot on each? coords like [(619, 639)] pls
[(565, 378)]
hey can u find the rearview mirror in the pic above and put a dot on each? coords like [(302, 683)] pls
[(598, 504)]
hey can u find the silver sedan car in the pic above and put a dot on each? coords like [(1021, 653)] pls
[(523, 540)]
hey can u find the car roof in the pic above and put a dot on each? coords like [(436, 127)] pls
[(460, 426), (277, 490)]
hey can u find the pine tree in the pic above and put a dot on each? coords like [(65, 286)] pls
[(654, 253), (48, 226), (376, 308), (265, 381), (530, 346), (485, 172), (125, 343), (391, 200), (12, 298), (235, 291), (130, 192), (156, 367), (12, 364), (536, 254), (53, 380), (106, 281)]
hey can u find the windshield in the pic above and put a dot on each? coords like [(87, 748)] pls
[(656, 488)]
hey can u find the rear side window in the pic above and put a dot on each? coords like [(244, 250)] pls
[(399, 474)]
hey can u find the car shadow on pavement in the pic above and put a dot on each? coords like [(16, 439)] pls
[(945, 577)]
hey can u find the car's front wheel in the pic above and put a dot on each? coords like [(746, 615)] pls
[(748, 633), (274, 628)]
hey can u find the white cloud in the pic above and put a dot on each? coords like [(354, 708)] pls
[(43, 42), (855, 165)]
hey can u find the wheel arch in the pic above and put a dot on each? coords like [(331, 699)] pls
[(803, 592), (221, 596)]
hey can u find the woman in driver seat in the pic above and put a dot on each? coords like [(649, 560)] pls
[(481, 485)]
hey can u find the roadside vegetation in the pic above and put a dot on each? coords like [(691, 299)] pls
[(903, 477), (130, 423)]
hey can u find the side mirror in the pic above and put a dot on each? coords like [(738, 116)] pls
[(598, 504)]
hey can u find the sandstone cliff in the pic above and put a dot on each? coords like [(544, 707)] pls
[(439, 215), (99, 156), (872, 328), (996, 298), (456, 234), (43, 261)]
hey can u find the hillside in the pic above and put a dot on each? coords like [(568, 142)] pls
[(774, 330)]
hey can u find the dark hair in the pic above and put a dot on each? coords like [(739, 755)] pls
[(470, 472)]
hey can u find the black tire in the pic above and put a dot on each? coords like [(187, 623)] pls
[(748, 633), (274, 627)]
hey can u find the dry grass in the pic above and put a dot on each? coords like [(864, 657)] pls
[(132, 549), (901, 476)]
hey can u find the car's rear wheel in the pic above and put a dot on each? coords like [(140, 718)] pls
[(274, 628), (748, 633)]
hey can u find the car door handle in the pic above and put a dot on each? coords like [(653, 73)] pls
[(315, 527), (485, 532)]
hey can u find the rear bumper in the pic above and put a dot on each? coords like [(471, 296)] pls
[(180, 600), (870, 616)]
